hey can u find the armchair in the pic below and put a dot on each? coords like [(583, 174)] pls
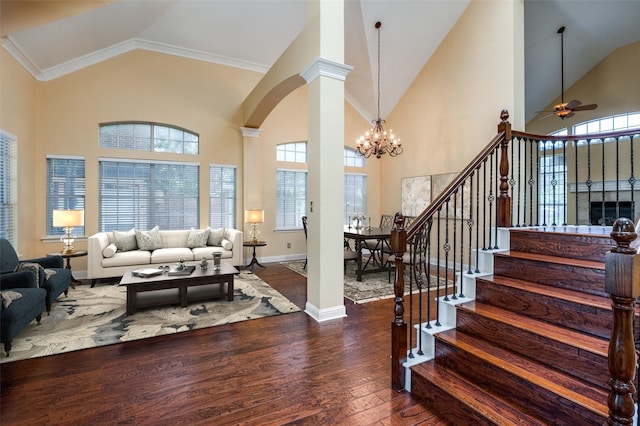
[(19, 312), (55, 285)]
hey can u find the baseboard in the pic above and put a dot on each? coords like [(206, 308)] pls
[(326, 314)]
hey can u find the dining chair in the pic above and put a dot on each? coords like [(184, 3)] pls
[(349, 254), (377, 247)]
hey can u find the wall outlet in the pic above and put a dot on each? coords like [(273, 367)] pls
[(288, 245)]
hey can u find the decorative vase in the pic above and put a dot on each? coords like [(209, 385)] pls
[(204, 264)]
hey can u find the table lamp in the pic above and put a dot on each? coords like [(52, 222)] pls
[(67, 219), (254, 217)]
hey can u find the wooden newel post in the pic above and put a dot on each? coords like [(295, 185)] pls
[(504, 200), (398, 326), (622, 282)]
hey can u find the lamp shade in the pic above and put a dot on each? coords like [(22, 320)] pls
[(68, 218), (254, 216)]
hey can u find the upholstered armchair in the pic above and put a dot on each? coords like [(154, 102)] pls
[(55, 284), (21, 302)]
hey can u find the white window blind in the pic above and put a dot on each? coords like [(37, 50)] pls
[(355, 195), (222, 196), (8, 187), (142, 194), (65, 189), (291, 198), (148, 137)]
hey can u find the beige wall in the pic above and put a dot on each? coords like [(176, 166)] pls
[(613, 84), (18, 102), (452, 109)]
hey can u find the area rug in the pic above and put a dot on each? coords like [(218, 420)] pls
[(374, 286), (90, 317)]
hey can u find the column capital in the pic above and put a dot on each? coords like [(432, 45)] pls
[(250, 132), (324, 67)]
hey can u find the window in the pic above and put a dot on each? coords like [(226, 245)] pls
[(612, 123), (293, 152), (8, 190), (222, 196), (148, 137), (351, 159), (291, 198), (552, 189), (142, 194), (65, 189), (355, 195)]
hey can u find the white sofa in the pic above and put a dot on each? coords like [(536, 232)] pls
[(106, 261)]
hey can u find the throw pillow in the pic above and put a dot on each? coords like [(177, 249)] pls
[(148, 240), (125, 241), (215, 237), (226, 244), (9, 296), (34, 268), (110, 250), (198, 238)]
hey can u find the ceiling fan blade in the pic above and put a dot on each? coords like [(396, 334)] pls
[(585, 107), (548, 115), (573, 104)]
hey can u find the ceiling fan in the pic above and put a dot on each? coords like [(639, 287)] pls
[(566, 109)]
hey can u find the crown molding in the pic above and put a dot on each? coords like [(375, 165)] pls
[(101, 55), (250, 132), (326, 68)]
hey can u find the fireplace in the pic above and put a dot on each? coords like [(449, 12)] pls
[(605, 213)]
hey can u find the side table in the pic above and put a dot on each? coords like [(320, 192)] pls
[(68, 256), (254, 261)]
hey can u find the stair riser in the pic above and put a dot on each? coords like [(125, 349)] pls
[(555, 244), (584, 318), (527, 396), (553, 352), (587, 280), (446, 405)]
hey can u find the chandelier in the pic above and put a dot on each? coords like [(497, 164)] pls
[(377, 141)]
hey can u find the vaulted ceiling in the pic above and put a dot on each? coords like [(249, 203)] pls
[(53, 38)]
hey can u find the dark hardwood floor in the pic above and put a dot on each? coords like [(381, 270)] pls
[(287, 369)]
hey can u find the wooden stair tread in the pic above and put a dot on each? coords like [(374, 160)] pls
[(531, 372), (474, 397), (579, 340), (557, 292), (553, 259)]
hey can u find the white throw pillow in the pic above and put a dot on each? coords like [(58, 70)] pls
[(215, 237), (149, 240), (110, 250), (198, 238), (226, 244), (125, 241)]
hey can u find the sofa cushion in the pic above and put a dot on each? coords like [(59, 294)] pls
[(171, 255), (215, 237), (110, 250), (125, 241), (40, 273), (207, 252), (198, 238), (126, 258), (148, 240)]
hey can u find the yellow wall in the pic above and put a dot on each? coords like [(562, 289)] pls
[(18, 101), (452, 109), (613, 84)]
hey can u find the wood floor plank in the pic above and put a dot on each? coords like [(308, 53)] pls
[(287, 369)]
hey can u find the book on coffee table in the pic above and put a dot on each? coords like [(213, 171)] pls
[(187, 270), (146, 273)]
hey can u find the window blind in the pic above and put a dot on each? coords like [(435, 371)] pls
[(222, 196), (8, 180), (355, 195), (65, 189), (291, 198)]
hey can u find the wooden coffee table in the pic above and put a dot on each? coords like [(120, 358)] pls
[(164, 289)]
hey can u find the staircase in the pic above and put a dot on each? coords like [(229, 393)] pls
[(532, 347)]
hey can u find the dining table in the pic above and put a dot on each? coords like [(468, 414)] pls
[(375, 261)]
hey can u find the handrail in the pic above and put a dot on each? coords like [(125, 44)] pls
[(622, 267)]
